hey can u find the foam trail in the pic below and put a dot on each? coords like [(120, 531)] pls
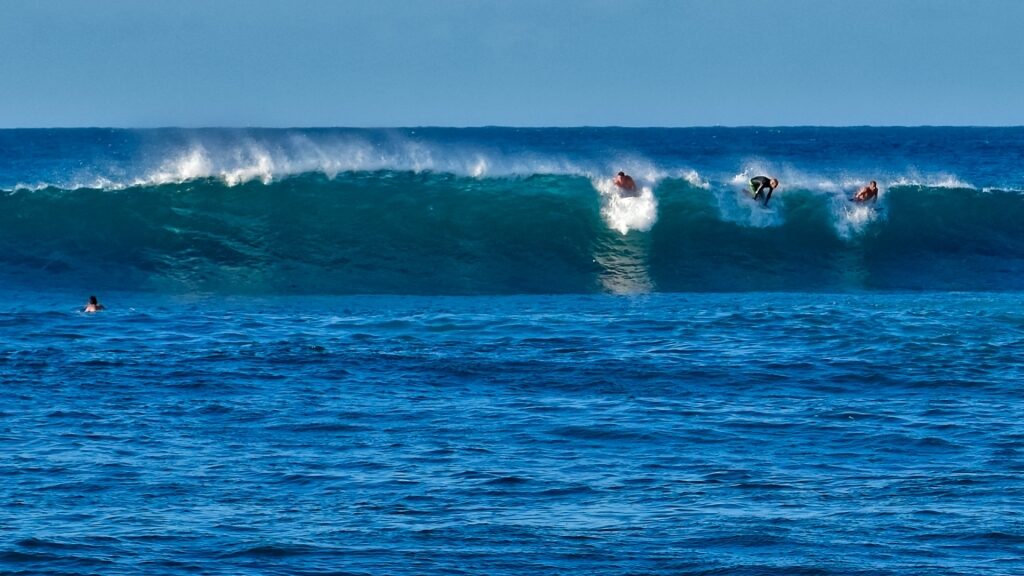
[(738, 207), (851, 219), (695, 179), (627, 213)]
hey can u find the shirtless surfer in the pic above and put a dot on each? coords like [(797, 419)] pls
[(758, 185), (627, 188), (869, 192), (93, 305)]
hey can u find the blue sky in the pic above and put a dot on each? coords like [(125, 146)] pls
[(512, 62)]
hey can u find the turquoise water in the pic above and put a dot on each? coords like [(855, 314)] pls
[(505, 211), (448, 351)]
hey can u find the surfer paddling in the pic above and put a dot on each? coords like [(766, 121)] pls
[(758, 185), (626, 185), (869, 192), (93, 305)]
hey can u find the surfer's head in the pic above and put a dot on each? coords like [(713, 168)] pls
[(774, 183), (873, 184), (622, 174)]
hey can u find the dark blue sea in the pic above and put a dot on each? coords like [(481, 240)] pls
[(462, 351)]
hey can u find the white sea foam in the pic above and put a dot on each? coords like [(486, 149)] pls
[(1010, 189), (190, 165), (738, 206), (789, 177), (252, 161), (92, 182), (941, 180), (623, 213), (695, 179), (851, 219), (238, 158), (840, 181)]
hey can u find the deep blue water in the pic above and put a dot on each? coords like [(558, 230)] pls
[(670, 434), (457, 351)]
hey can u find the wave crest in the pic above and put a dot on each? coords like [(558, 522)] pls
[(403, 232)]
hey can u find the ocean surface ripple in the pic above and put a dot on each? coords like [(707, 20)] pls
[(755, 433), (462, 351)]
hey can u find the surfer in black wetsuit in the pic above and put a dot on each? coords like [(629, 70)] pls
[(758, 185)]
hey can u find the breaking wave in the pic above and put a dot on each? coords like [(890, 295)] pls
[(264, 225)]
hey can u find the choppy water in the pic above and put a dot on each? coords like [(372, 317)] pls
[(669, 434), (437, 351)]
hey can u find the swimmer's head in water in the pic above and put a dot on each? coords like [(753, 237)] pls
[(92, 300)]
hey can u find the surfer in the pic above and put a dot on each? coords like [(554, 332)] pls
[(869, 192), (627, 188), (758, 185), (93, 305)]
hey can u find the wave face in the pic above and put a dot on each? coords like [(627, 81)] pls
[(499, 211)]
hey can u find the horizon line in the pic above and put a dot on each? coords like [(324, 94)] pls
[(505, 126)]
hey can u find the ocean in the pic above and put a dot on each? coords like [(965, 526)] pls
[(460, 351)]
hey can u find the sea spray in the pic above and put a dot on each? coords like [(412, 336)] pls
[(498, 210), (624, 210)]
